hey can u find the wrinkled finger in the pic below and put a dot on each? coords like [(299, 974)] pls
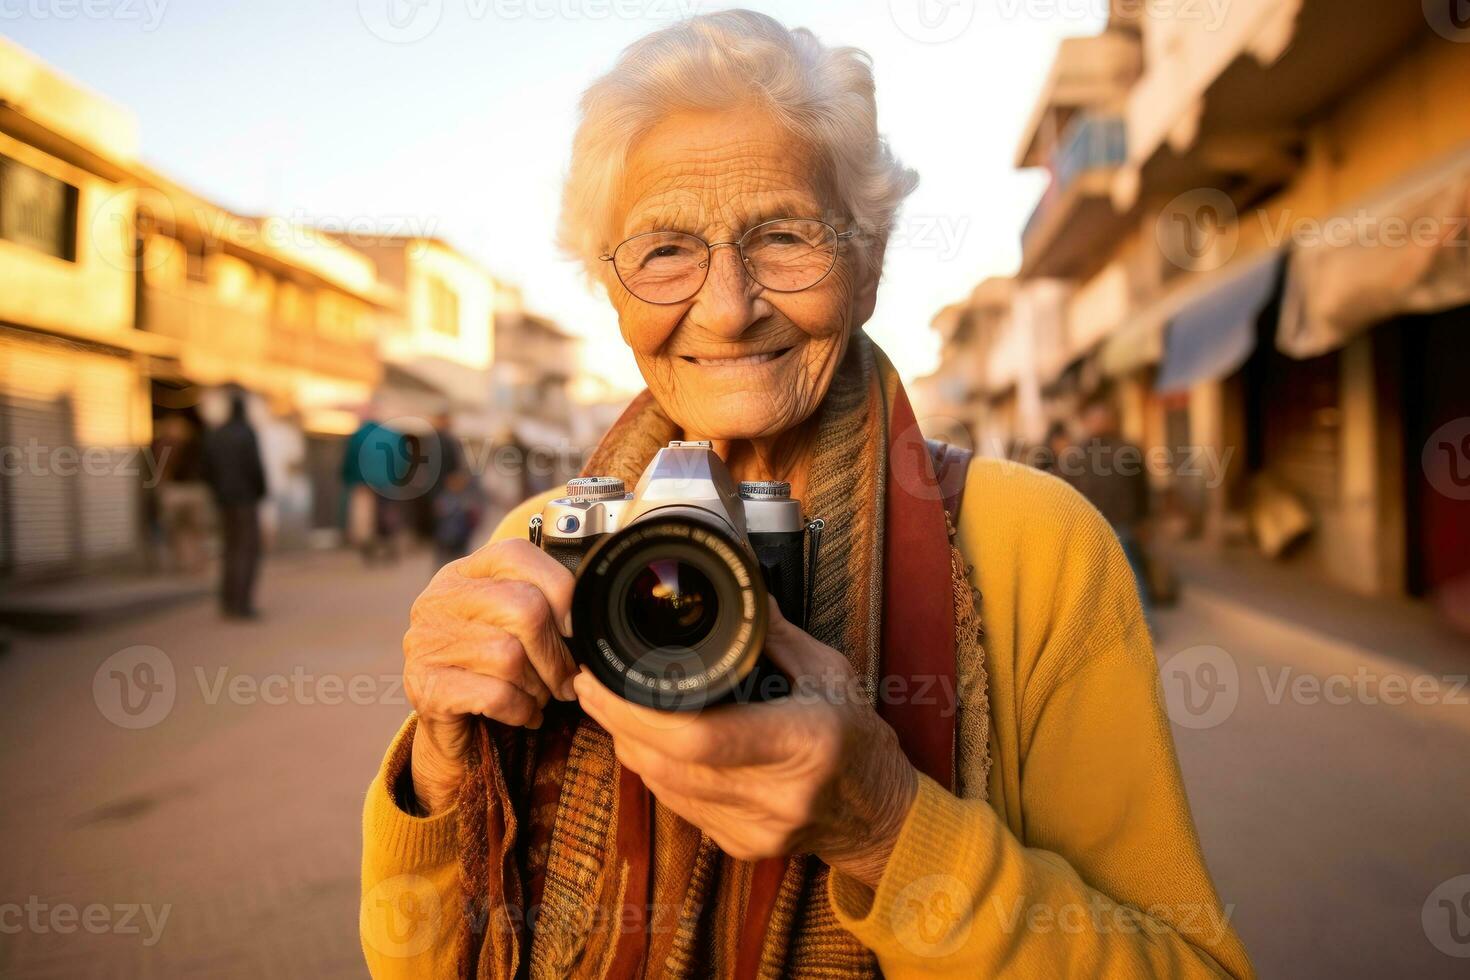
[(490, 650), (690, 780), (715, 736), (523, 561), (522, 610), (453, 691)]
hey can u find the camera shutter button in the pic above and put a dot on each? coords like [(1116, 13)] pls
[(589, 488), (765, 490)]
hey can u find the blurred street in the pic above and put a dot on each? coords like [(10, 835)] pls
[(241, 816), (231, 822)]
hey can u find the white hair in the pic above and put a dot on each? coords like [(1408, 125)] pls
[(723, 60)]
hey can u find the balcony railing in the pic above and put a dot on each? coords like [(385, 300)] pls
[(1091, 143), (248, 338)]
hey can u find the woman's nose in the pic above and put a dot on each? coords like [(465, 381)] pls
[(729, 301)]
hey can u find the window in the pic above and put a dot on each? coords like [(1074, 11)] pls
[(37, 210), (443, 308)]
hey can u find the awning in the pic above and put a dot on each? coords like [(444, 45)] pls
[(1138, 343), (1405, 251), (1213, 335)]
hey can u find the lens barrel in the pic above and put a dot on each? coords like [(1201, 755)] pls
[(670, 612)]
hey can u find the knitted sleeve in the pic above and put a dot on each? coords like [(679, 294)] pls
[(1085, 860)]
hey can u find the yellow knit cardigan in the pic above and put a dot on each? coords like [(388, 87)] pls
[(1083, 861)]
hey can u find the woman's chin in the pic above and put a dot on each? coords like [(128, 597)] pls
[(744, 416)]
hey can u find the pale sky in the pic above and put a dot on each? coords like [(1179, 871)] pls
[(455, 118)]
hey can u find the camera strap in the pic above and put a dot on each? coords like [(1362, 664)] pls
[(951, 463)]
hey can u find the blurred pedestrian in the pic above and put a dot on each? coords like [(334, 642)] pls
[(447, 464), (233, 470), (1109, 471), (374, 469), (181, 498), (459, 506), (1052, 450)]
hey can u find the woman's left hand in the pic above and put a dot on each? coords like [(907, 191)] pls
[(818, 772)]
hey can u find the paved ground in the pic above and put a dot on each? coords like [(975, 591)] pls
[(233, 810), (238, 810), (1332, 799)]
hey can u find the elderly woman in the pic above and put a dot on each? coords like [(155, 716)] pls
[(1013, 809)]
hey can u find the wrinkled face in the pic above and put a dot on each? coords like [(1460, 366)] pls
[(736, 360)]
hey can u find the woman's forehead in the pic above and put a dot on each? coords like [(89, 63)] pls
[(698, 171)]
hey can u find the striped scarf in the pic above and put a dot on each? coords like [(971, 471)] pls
[(569, 867)]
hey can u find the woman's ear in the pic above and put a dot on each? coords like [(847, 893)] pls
[(865, 300)]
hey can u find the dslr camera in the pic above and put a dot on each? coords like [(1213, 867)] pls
[(673, 580)]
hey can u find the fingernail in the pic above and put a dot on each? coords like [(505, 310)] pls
[(568, 690)]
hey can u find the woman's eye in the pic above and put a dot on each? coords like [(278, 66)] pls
[(780, 238), (662, 254)]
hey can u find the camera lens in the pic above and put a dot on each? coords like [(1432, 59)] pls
[(670, 611), (671, 603)]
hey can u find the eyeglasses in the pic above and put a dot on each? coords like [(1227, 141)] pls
[(786, 255)]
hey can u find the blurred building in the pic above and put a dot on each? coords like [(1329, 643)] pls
[(444, 336), (283, 312), (1255, 238), (131, 308), (532, 376), (971, 397), (74, 404)]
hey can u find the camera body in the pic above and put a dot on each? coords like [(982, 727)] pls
[(673, 578)]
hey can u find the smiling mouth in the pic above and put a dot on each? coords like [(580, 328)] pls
[(737, 361)]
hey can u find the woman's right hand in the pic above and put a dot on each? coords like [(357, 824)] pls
[(485, 638)]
